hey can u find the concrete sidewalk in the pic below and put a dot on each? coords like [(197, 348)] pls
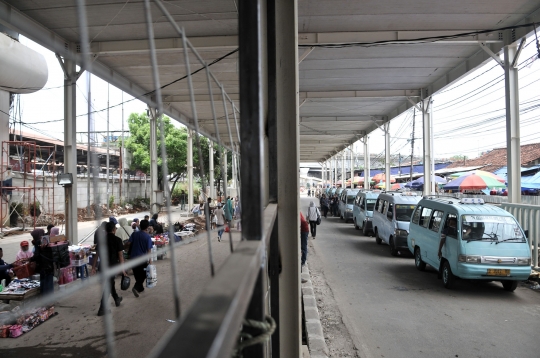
[(139, 323)]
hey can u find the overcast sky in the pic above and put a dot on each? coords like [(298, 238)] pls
[(469, 117)]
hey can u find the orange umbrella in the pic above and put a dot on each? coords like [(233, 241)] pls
[(382, 177)]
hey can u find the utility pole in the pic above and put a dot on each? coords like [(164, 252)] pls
[(108, 140), (89, 99), (412, 143)]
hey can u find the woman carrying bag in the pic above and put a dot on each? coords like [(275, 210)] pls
[(314, 217)]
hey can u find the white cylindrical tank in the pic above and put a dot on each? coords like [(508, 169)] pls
[(23, 69)]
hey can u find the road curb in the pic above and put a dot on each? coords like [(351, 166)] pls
[(314, 331)]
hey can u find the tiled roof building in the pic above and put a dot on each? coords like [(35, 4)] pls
[(496, 158)]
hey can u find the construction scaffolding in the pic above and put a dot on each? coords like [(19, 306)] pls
[(31, 161)]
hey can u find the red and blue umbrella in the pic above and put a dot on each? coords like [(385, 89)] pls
[(474, 181)]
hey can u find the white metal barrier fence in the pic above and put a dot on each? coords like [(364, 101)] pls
[(528, 217)]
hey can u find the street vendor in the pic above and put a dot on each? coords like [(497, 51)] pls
[(43, 259), (55, 231), (5, 269), (24, 253)]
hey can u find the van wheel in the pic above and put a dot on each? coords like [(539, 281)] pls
[(393, 250), (420, 265), (510, 285), (447, 276), (356, 226), (364, 231), (377, 238)]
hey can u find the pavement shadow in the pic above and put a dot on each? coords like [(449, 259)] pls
[(368, 245), (408, 278)]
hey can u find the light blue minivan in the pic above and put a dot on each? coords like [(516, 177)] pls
[(346, 201), (363, 210), (391, 218), (479, 242)]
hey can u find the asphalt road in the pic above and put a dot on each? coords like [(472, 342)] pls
[(393, 310)]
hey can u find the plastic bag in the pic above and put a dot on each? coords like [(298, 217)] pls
[(124, 284), (151, 276)]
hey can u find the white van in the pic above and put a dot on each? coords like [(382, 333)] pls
[(391, 217), (480, 242)]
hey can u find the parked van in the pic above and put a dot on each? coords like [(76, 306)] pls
[(391, 217), (480, 242), (363, 211), (346, 202)]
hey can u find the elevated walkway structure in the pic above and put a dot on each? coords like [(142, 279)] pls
[(275, 82)]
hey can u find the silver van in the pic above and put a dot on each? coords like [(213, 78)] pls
[(363, 210), (391, 217), (346, 201)]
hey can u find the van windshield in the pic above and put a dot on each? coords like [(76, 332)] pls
[(490, 228), (370, 204), (350, 199), (404, 212)]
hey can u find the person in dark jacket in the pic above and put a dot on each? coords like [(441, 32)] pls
[(141, 244), (5, 269), (44, 261), (115, 254), (324, 205)]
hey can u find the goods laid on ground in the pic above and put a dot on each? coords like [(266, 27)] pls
[(20, 289), (16, 322)]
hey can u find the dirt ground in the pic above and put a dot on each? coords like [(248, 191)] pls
[(336, 334)]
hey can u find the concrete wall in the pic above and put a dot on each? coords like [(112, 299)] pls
[(131, 189)]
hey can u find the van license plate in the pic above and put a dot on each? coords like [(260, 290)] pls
[(498, 272)]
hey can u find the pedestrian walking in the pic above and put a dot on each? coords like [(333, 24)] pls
[(304, 232), (324, 205), (220, 217), (182, 200), (238, 215), (115, 254), (228, 210), (140, 244), (313, 215)]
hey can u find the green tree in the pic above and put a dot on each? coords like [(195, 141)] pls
[(138, 143)]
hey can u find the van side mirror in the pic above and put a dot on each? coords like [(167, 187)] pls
[(526, 234), (389, 215)]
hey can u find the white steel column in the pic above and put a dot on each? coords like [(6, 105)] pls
[(190, 168), (211, 165), (70, 148), (513, 149), (387, 176), (343, 169), (335, 171), (367, 163), (225, 170), (234, 172), (4, 124), (288, 162), (352, 166), (426, 124), (153, 162)]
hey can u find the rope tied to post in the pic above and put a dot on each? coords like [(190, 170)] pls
[(267, 328)]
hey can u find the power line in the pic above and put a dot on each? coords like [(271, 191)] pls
[(420, 40)]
